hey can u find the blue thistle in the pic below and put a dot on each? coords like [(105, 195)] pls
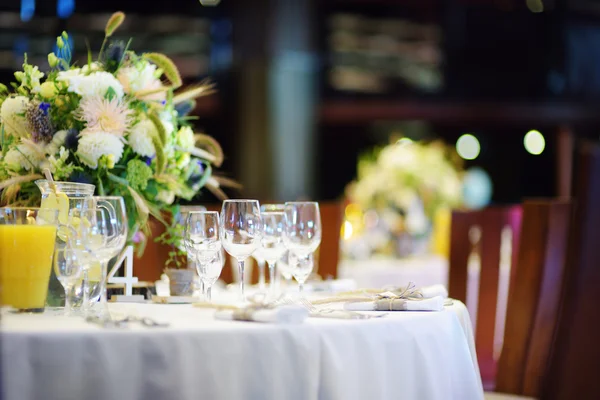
[(111, 58), (197, 175), (185, 108), (72, 139), (80, 177), (148, 160), (39, 122), (44, 107)]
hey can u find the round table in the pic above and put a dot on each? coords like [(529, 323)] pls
[(405, 355)]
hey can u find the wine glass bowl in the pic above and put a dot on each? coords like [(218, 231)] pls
[(202, 240), (273, 247), (302, 227), (302, 237), (68, 270), (241, 231)]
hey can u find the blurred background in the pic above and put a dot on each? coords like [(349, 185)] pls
[(307, 87), (318, 99)]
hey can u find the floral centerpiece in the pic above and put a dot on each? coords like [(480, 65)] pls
[(398, 193), (119, 122)]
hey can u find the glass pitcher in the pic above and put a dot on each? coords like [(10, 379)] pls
[(74, 196)]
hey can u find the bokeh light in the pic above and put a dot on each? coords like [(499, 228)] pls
[(468, 146), (534, 142), (477, 188), (347, 230)]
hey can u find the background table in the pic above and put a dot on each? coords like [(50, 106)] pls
[(406, 355), (377, 273)]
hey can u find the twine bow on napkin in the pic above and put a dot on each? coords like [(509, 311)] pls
[(408, 298), (259, 310)]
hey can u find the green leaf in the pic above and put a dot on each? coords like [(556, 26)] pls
[(117, 179), (89, 54), (110, 93)]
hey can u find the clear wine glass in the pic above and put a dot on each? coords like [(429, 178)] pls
[(114, 207), (202, 240), (302, 235), (301, 268), (94, 230), (272, 242), (283, 267), (241, 229), (210, 271), (68, 269)]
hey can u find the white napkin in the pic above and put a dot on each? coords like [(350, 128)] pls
[(281, 315), (433, 304), (434, 290)]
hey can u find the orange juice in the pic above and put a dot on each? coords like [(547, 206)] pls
[(26, 253)]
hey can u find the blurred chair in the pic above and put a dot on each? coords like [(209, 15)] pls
[(483, 247), (326, 264), (533, 304), (574, 364)]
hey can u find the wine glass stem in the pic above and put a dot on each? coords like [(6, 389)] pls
[(86, 292), (241, 273), (261, 275), (68, 306), (103, 282), (300, 287), (272, 285), (208, 293)]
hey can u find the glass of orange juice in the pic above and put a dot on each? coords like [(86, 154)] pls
[(27, 239)]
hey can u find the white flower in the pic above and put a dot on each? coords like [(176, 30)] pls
[(93, 145), (93, 67), (166, 117), (95, 84), (140, 138), (67, 75), (104, 115), (185, 137), (166, 196), (15, 124), (141, 78), (22, 157), (57, 141)]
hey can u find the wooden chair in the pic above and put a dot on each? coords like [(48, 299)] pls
[(534, 297), (329, 252), (490, 222), (574, 364)]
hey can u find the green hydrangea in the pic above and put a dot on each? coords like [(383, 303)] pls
[(138, 174)]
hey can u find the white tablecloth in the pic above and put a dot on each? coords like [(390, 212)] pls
[(406, 355), (377, 273)]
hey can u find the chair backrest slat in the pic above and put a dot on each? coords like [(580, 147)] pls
[(533, 302), (490, 223)]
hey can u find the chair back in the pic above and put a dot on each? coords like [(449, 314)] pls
[(575, 360), (534, 297), (480, 274), (326, 263)]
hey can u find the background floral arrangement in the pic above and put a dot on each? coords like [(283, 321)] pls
[(116, 122), (398, 193)]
